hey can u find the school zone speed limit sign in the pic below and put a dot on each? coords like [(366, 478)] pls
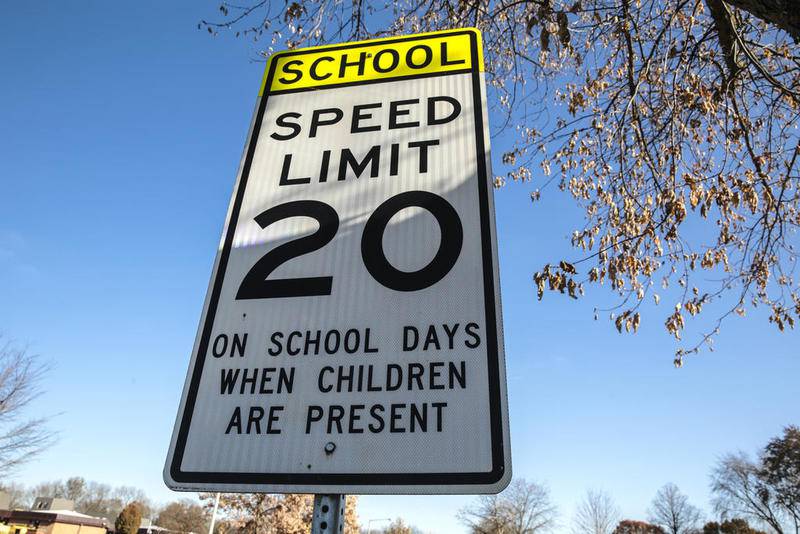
[(351, 338)]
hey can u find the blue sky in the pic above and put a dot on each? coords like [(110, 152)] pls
[(121, 128)]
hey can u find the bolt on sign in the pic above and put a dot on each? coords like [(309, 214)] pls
[(351, 337)]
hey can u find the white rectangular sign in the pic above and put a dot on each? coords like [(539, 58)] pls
[(351, 338)]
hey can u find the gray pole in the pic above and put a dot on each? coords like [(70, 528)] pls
[(328, 514), (214, 515)]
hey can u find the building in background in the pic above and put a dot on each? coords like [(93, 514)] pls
[(48, 516)]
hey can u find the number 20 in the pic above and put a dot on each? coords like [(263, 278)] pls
[(255, 284)]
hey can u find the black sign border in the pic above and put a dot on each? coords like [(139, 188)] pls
[(359, 479)]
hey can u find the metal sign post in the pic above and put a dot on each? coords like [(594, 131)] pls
[(328, 515)]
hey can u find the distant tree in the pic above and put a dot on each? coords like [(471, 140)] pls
[(523, 508), (351, 525), (129, 519), (273, 514), (731, 526), (226, 526), (128, 494), (596, 514), (21, 437), (767, 491), (99, 500), (398, 526), (629, 526), (247, 510), (183, 516), (780, 470), (19, 495), (671, 510), (75, 489), (292, 515)]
